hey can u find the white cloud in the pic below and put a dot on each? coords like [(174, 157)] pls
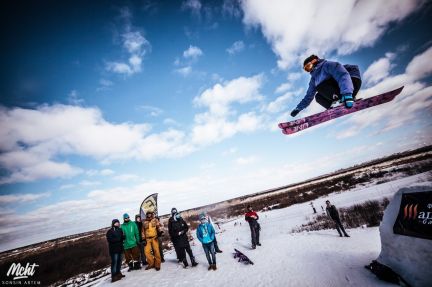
[(221, 121), (379, 69), (192, 5), (126, 177), (280, 103), (150, 110), (290, 26), (283, 88), (34, 138), (19, 198), (171, 122), (73, 98), (135, 44), (87, 183), (236, 47), (184, 71), (245, 160), (192, 52), (103, 172), (415, 97)]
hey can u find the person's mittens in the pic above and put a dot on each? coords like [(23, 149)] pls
[(348, 100)]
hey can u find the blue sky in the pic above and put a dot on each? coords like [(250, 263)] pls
[(103, 103)]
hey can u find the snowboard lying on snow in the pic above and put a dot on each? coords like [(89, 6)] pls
[(241, 257), (339, 111)]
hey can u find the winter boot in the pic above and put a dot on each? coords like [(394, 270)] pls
[(253, 247), (194, 263), (131, 267), (185, 263), (259, 244), (210, 267), (137, 265), (149, 267), (121, 274), (346, 235), (218, 250), (214, 267)]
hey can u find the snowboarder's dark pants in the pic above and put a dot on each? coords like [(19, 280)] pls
[(339, 227), (330, 87), (116, 262), (210, 250), (160, 248), (142, 255), (182, 253), (216, 245), (255, 231)]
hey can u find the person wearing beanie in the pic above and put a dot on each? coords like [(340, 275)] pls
[(330, 81), (130, 244), (138, 223), (150, 231), (115, 239), (206, 234), (177, 229), (252, 218)]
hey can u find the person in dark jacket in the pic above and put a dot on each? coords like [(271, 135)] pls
[(177, 229), (330, 81), (115, 239), (160, 235), (138, 222), (252, 218), (334, 214)]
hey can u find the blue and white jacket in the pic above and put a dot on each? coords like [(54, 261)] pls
[(325, 70), (205, 233)]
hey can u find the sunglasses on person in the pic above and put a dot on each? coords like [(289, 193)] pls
[(309, 66)]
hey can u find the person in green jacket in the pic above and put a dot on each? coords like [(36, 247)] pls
[(130, 244)]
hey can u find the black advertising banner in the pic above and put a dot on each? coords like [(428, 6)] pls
[(415, 215)]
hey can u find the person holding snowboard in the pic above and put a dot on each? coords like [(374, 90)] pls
[(330, 81), (115, 239), (138, 222), (252, 218), (206, 234), (177, 229), (217, 249), (151, 229), (333, 213), (130, 244)]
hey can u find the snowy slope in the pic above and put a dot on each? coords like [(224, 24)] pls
[(318, 258)]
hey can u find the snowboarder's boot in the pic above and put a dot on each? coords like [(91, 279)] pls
[(137, 265), (131, 267)]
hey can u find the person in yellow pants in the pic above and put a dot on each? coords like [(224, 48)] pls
[(150, 232)]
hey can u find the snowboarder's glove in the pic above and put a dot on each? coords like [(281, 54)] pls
[(295, 112), (348, 100)]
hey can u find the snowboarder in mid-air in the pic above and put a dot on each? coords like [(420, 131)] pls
[(330, 81), (334, 214), (252, 218)]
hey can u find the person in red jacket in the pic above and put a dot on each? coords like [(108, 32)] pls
[(252, 218)]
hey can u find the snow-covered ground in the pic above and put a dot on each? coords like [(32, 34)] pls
[(319, 258)]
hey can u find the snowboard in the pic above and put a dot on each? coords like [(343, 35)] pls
[(241, 257), (339, 111)]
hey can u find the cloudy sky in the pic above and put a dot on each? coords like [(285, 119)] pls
[(103, 103)]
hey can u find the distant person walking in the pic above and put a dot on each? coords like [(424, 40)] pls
[(206, 234), (177, 229), (138, 222), (115, 239), (334, 214), (130, 244), (252, 218), (151, 228)]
